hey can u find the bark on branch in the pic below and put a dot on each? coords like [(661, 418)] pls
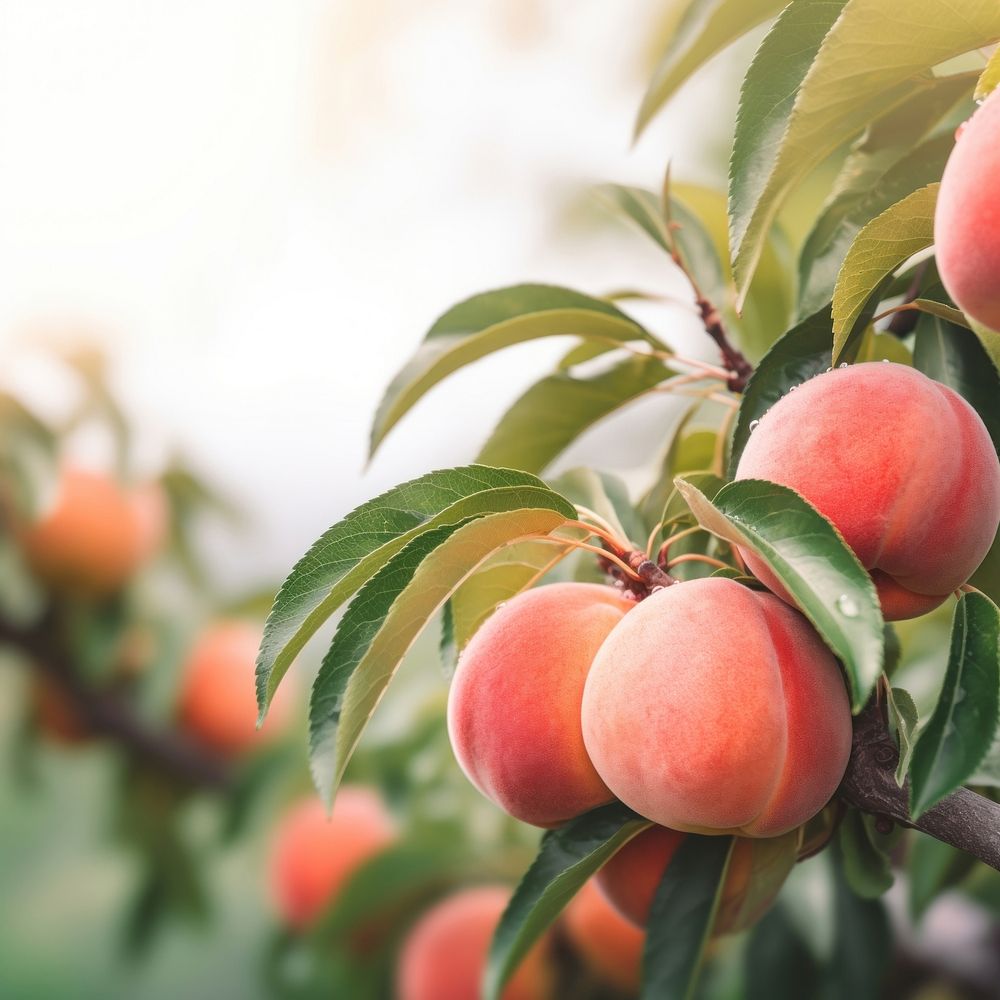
[(107, 714), (964, 819)]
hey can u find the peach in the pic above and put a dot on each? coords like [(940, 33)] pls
[(444, 955), (713, 708), (902, 466), (514, 705), (757, 870), (967, 217), (314, 854), (608, 944), (217, 702), (93, 538)]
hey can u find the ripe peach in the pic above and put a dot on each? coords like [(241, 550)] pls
[(757, 870), (217, 702), (609, 945), (313, 853), (967, 217), (92, 540), (712, 708), (514, 705), (444, 955), (903, 467)]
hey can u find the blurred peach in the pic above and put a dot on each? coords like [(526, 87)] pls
[(313, 853), (609, 945), (217, 704)]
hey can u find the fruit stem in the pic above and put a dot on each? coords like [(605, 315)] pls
[(676, 537), (698, 557)]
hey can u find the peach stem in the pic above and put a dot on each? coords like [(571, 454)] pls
[(698, 557)]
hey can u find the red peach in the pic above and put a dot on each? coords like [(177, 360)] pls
[(444, 955), (713, 708), (514, 705), (314, 853), (967, 217), (902, 466), (217, 703)]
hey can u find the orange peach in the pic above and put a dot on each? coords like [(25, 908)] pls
[(902, 466), (514, 705), (609, 945), (757, 870), (217, 703), (713, 708), (93, 538), (444, 955), (967, 217), (313, 853)]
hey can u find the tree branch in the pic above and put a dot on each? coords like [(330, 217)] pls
[(105, 713), (964, 819)]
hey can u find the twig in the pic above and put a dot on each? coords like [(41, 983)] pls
[(106, 714)]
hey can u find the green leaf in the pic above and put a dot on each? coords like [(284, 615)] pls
[(639, 206), (990, 78), (767, 97), (990, 339), (554, 412), (811, 560), (965, 721), (886, 243), (682, 917), (802, 352), (388, 614), (447, 645), (865, 65), (954, 356), (903, 721), (778, 962), (490, 322), (352, 551), (566, 859), (878, 346), (708, 26), (933, 866), (831, 238), (865, 852)]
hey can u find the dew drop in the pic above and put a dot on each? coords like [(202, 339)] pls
[(501, 606), (830, 369), (847, 606), (792, 388), (657, 589), (885, 361), (843, 364), (754, 424)]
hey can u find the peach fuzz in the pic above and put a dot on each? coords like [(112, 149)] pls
[(92, 539), (902, 466), (713, 708), (514, 705), (313, 854), (967, 217), (757, 870), (444, 955), (217, 702), (609, 945)]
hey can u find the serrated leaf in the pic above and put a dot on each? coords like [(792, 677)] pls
[(566, 858), (385, 618), (554, 412), (811, 560), (767, 97), (491, 322), (990, 77), (903, 721), (883, 245), (802, 352), (707, 27), (831, 238), (864, 66), (682, 917), (353, 550), (965, 721), (503, 576)]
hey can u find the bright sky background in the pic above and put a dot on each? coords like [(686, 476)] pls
[(259, 206)]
